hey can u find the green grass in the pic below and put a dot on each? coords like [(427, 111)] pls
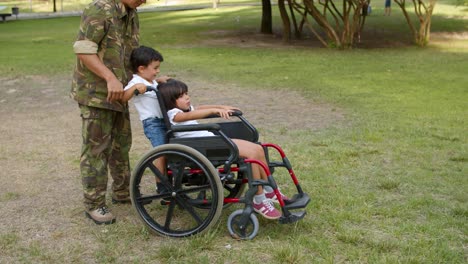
[(46, 6), (389, 185), (37, 6)]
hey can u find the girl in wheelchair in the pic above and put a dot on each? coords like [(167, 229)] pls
[(182, 112)]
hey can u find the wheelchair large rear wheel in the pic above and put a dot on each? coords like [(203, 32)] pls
[(192, 198)]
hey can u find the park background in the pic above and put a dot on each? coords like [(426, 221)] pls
[(376, 134)]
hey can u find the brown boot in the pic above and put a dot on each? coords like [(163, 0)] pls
[(121, 198), (101, 216), (121, 201)]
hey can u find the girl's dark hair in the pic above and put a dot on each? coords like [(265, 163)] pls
[(143, 56), (170, 91)]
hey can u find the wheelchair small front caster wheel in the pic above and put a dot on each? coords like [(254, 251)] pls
[(239, 231)]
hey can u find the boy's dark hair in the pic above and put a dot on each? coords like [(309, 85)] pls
[(143, 56), (170, 91)]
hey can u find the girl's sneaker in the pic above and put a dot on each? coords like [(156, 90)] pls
[(272, 196), (267, 209)]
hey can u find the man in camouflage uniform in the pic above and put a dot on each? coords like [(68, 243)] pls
[(109, 31)]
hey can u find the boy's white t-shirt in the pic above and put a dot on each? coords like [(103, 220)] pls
[(202, 133), (146, 104)]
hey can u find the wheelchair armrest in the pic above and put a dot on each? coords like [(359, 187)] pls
[(235, 113), (184, 128)]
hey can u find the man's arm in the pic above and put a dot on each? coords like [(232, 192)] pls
[(94, 64)]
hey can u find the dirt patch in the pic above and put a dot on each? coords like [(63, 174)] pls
[(251, 39), (40, 186), (270, 110), (442, 36)]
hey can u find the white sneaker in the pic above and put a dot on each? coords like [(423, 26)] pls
[(273, 198), (267, 209)]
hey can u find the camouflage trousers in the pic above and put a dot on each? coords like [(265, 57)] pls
[(107, 139)]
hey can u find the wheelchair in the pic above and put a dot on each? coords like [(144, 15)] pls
[(202, 176)]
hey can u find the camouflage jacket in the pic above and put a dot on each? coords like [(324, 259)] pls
[(111, 31)]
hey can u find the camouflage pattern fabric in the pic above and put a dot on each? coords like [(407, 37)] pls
[(111, 31), (114, 31), (107, 140)]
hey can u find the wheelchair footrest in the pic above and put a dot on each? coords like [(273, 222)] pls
[(299, 200), (292, 217)]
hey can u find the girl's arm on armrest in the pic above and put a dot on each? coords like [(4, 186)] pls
[(201, 113)]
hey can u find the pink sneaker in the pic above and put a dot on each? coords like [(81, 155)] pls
[(273, 198), (267, 209)]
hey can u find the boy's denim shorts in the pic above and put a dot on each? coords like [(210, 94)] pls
[(155, 130)]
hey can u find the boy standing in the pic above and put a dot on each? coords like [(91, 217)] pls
[(145, 63)]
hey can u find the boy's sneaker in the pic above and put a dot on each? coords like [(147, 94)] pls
[(272, 196), (160, 188), (101, 216), (267, 209)]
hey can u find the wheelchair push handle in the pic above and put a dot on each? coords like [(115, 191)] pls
[(148, 89)]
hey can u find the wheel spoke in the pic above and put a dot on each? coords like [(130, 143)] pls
[(157, 173), (170, 213), (146, 198), (187, 206), (195, 189)]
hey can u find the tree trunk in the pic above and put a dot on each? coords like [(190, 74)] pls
[(286, 22), (323, 22), (339, 27), (424, 14), (297, 32), (424, 33), (267, 24)]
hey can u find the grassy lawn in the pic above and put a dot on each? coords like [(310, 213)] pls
[(46, 6), (389, 183)]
